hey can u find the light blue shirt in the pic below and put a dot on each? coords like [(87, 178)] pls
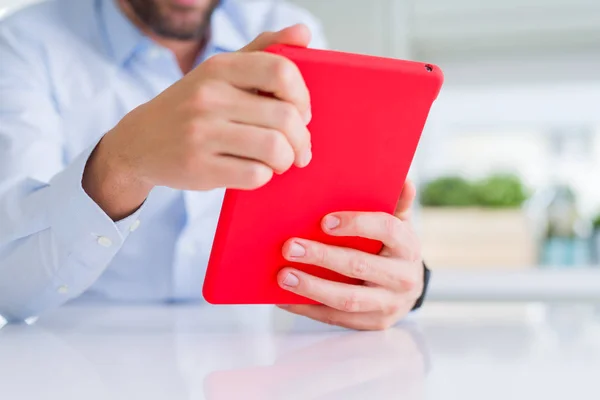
[(69, 71)]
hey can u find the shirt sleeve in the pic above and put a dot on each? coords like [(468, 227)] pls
[(55, 241)]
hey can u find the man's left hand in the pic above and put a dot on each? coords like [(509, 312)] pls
[(393, 278)]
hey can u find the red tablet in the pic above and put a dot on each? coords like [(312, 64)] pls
[(368, 115)]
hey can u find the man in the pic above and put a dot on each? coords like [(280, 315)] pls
[(122, 121)]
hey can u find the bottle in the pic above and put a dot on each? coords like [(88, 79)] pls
[(561, 239)]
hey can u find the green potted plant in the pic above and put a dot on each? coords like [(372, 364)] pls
[(596, 224), (451, 191), (500, 191), (476, 223)]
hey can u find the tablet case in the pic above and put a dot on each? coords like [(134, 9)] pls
[(368, 115)]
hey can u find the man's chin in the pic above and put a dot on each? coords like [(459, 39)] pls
[(179, 33), (184, 22), (190, 4)]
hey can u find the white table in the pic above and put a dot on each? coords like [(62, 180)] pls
[(454, 351)]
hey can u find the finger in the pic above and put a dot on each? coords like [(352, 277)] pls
[(265, 72), (267, 146), (394, 233), (368, 321), (387, 272), (276, 115), (407, 198), (237, 173), (341, 296), (251, 109), (295, 35), (244, 107)]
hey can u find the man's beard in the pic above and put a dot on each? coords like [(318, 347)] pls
[(169, 22)]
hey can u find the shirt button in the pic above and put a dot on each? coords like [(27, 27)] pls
[(64, 289), (134, 226), (104, 241)]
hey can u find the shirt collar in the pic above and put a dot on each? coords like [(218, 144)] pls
[(124, 38), (228, 27)]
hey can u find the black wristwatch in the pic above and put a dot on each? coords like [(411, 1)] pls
[(420, 300)]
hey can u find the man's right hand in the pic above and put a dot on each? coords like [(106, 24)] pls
[(212, 129)]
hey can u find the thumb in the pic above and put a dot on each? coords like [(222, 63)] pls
[(295, 35), (403, 208)]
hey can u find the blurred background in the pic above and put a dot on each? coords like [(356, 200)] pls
[(509, 166)]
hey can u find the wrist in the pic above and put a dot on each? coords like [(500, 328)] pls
[(113, 182)]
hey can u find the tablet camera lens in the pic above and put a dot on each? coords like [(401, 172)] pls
[(429, 68)]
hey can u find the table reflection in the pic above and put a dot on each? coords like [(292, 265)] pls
[(216, 354), (374, 365)]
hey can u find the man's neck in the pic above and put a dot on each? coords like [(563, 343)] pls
[(186, 51)]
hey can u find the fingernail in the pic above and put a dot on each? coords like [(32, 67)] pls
[(308, 117), (305, 158), (331, 222), (297, 250), (284, 306), (291, 280)]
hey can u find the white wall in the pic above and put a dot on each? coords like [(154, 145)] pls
[(372, 27)]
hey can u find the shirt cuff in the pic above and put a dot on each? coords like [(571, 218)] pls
[(129, 224), (79, 223)]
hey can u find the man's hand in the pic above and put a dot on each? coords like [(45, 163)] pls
[(212, 129), (393, 278)]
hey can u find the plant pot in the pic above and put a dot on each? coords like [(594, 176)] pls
[(477, 238)]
